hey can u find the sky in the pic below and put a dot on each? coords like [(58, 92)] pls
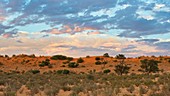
[(85, 27)]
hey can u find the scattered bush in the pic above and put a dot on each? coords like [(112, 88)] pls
[(73, 65), (107, 71), (80, 60)]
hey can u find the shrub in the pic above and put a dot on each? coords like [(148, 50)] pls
[(70, 58), (59, 57), (6, 56), (88, 56), (80, 60), (169, 60), (35, 71), (106, 55), (98, 63), (45, 63), (120, 56), (149, 65), (121, 69), (107, 71), (73, 65), (32, 56), (97, 58), (63, 71)]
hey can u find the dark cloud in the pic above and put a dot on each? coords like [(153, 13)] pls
[(148, 40), (163, 46)]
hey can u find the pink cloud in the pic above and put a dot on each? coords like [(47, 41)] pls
[(7, 35)]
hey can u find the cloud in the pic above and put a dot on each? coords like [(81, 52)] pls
[(85, 25)]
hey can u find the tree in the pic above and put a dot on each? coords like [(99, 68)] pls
[(149, 66), (121, 68)]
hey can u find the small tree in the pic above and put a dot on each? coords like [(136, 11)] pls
[(121, 68), (149, 66)]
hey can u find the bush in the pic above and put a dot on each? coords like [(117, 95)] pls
[(35, 71), (97, 58), (70, 58), (121, 69), (45, 63), (120, 56), (59, 57), (73, 65), (63, 71), (106, 55), (80, 60), (98, 63), (107, 71), (149, 65), (88, 56)]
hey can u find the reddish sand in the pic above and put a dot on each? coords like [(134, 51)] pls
[(16, 63)]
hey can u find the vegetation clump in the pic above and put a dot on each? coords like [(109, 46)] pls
[(149, 66), (73, 65), (122, 67), (45, 63), (106, 55), (80, 60), (63, 71), (106, 71)]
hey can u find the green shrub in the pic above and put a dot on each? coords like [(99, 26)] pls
[(97, 58), (80, 60), (70, 58), (98, 63), (88, 56), (107, 71), (35, 71), (63, 71), (45, 63), (59, 57), (73, 65), (149, 65), (106, 55)]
